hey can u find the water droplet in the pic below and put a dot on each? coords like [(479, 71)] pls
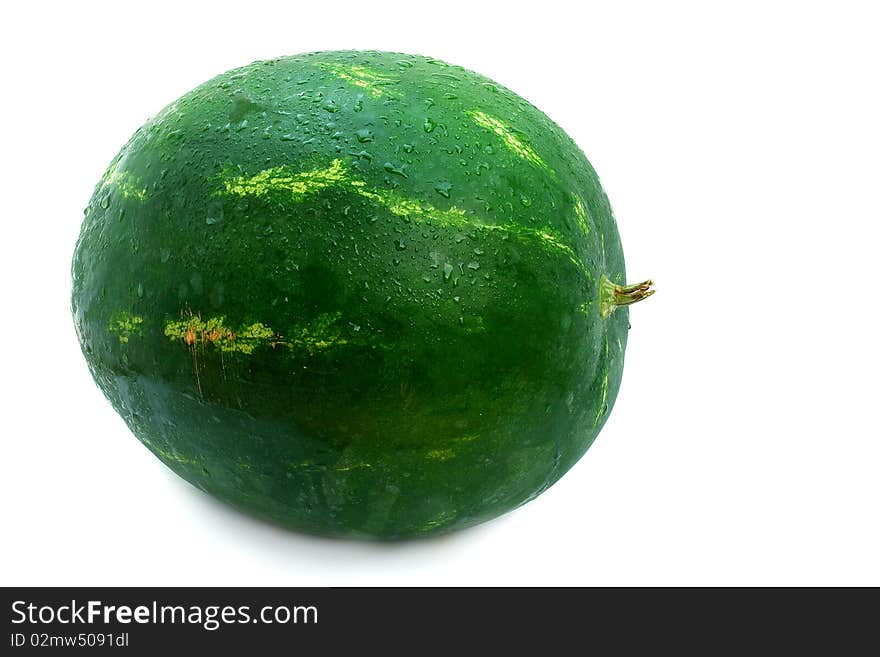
[(215, 214), (525, 200), (443, 188), (407, 148), (140, 290), (399, 244), (330, 106), (364, 135), (478, 252), (473, 264), (429, 124), (488, 150), (358, 105), (105, 202), (391, 168), (447, 273)]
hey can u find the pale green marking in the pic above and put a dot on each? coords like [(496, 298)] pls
[(278, 179), (441, 519), (553, 241), (303, 184), (311, 465), (126, 183), (372, 81), (601, 410), (194, 331), (510, 140), (418, 211), (580, 213), (440, 454), (604, 399), (356, 466), (166, 455), (255, 331), (125, 324), (457, 218), (323, 332)]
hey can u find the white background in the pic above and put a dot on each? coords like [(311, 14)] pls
[(740, 148)]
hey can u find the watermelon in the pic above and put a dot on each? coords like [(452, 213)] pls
[(361, 294)]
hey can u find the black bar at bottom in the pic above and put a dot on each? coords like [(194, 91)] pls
[(414, 620)]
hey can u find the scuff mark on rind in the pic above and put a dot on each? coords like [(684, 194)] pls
[(325, 331), (195, 332)]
